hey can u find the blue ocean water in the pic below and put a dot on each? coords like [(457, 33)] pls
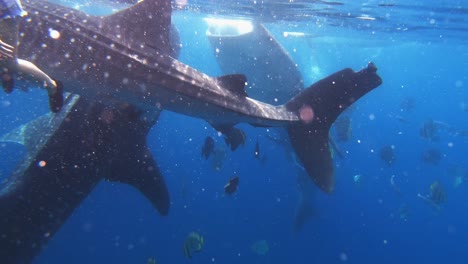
[(422, 55)]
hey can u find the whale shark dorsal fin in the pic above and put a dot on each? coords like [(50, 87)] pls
[(234, 83), (147, 23)]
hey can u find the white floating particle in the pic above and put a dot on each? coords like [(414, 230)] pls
[(54, 33)]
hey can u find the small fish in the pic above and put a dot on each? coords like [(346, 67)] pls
[(208, 147), (432, 156), (193, 243), (387, 154), (231, 186), (233, 137)]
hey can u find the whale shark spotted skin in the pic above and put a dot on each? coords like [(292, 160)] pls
[(121, 72), (137, 69)]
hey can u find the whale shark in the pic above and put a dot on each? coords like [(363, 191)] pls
[(120, 71), (248, 46)]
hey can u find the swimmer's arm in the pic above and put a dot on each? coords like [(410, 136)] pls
[(28, 68)]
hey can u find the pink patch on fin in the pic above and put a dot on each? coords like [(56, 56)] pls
[(306, 114)]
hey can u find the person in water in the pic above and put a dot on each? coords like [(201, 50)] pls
[(11, 13)]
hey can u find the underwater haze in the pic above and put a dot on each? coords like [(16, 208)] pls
[(400, 159)]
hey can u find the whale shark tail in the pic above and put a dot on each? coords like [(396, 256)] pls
[(318, 106)]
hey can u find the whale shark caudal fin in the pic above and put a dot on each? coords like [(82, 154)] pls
[(318, 107), (67, 155)]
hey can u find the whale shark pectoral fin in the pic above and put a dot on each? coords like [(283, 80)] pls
[(58, 171), (137, 168), (19, 134), (72, 152), (128, 157), (234, 83), (34, 134), (318, 107)]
